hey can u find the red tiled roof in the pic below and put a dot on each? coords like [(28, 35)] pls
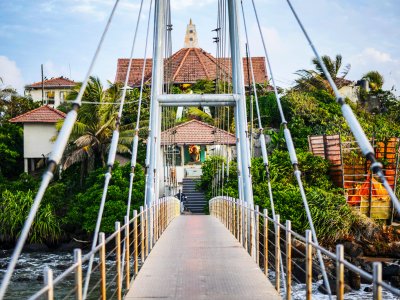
[(43, 114), (197, 132), (53, 82), (187, 66)]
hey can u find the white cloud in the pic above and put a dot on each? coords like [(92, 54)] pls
[(374, 55), (99, 9), (10, 74), (50, 69), (184, 4), (371, 59)]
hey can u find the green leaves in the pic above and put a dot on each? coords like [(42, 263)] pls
[(15, 207), (83, 211), (11, 152)]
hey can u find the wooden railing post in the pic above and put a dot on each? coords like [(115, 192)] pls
[(339, 272), (252, 230), (155, 221), (78, 274), (245, 237), (118, 259), (146, 230), (288, 260), (238, 207), (127, 254), (266, 242), (135, 241), (308, 265), (277, 254), (241, 213), (48, 281), (142, 236), (103, 283), (257, 233), (377, 280)]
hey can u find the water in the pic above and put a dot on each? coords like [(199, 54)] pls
[(28, 277), (299, 291), (300, 294)]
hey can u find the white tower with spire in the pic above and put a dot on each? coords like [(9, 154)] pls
[(191, 36)]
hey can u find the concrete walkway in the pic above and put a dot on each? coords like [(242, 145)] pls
[(198, 258)]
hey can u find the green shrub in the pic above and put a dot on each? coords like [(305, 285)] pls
[(14, 209), (82, 213)]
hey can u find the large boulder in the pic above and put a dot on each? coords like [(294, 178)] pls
[(352, 249), (332, 284), (354, 280)]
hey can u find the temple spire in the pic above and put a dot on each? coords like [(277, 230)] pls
[(191, 36)]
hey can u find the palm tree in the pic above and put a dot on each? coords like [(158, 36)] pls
[(312, 80), (91, 136), (375, 80)]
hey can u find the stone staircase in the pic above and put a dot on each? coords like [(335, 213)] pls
[(195, 199)]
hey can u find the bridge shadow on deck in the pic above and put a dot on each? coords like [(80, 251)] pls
[(198, 258)]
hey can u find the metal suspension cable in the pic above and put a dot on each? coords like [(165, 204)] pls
[(54, 159), (102, 103), (351, 119), (293, 158), (136, 137), (111, 156), (261, 131)]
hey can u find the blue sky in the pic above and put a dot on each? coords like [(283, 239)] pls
[(62, 34)]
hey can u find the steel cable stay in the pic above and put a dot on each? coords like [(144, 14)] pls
[(54, 159), (351, 119), (111, 156), (293, 158), (261, 129), (137, 127)]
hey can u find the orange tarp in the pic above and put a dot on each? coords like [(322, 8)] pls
[(378, 192)]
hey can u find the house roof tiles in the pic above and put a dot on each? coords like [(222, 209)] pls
[(187, 66), (43, 114), (53, 83), (197, 132)]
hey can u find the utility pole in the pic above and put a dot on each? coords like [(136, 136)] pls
[(42, 85)]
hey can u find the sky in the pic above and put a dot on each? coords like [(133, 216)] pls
[(63, 35)]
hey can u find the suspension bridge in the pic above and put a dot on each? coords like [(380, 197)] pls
[(238, 251)]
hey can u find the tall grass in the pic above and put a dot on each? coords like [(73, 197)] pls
[(14, 209)]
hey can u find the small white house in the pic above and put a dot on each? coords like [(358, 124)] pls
[(39, 129), (186, 146), (51, 91)]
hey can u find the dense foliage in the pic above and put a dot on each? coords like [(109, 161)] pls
[(326, 202), (71, 203)]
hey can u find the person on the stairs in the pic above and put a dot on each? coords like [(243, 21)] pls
[(183, 198)]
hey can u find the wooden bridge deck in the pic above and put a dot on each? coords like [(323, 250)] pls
[(198, 258)]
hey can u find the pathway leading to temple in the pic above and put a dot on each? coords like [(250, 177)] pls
[(198, 258)]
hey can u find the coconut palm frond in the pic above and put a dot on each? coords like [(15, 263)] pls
[(79, 128), (75, 156), (346, 70), (375, 79), (123, 149), (311, 80), (105, 126), (126, 140), (86, 140)]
